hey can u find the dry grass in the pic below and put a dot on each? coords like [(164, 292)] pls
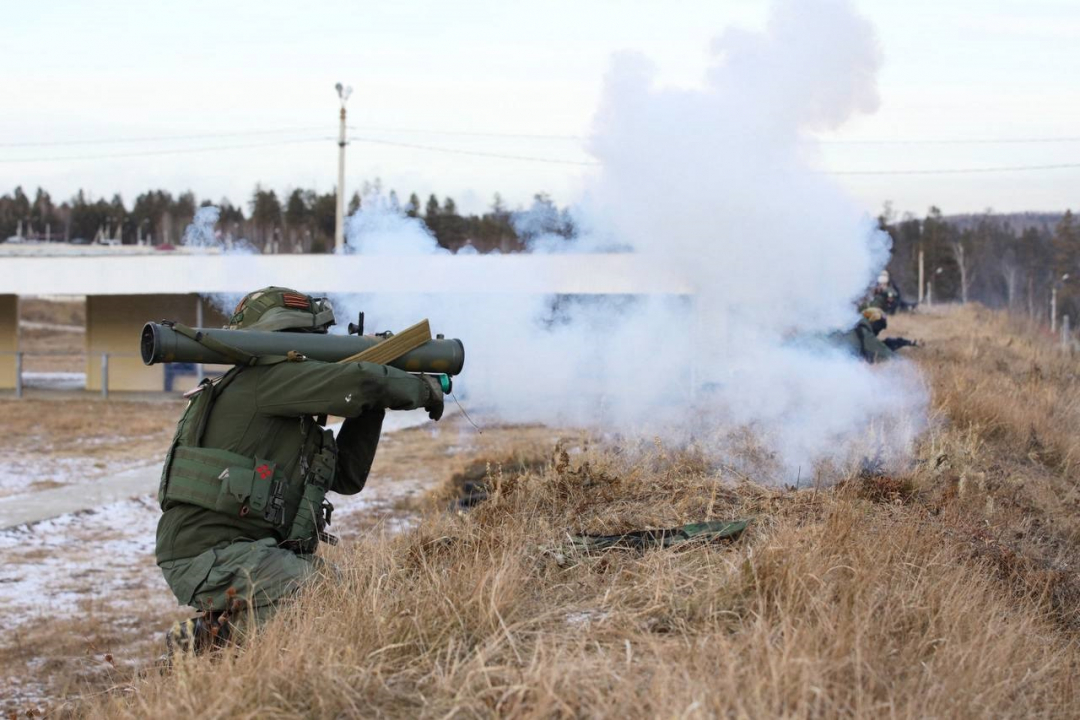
[(55, 312), (946, 592), (55, 339), (101, 432)]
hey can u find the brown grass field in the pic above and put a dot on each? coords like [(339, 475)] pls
[(948, 590), (48, 350)]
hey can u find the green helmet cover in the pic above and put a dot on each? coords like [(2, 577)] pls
[(273, 309)]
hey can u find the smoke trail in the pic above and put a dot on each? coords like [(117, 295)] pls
[(718, 184), (201, 234)]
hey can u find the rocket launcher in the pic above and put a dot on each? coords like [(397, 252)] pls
[(412, 350)]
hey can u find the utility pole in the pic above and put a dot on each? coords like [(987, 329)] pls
[(922, 276), (339, 229)]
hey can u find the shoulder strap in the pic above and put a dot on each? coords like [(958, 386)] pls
[(215, 389), (235, 354)]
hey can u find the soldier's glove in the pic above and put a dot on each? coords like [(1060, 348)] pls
[(434, 402)]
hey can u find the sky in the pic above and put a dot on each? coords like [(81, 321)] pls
[(216, 97)]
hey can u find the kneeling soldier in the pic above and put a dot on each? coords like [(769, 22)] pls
[(244, 483)]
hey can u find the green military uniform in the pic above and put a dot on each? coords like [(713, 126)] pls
[(243, 486), (863, 342)]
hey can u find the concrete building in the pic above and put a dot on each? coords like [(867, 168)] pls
[(124, 290)]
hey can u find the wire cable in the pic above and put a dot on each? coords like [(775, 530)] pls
[(822, 141), (158, 138), (173, 151), (985, 141), (468, 133), (513, 135), (477, 153), (503, 156), (586, 163), (956, 171)]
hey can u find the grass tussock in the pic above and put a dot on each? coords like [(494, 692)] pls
[(947, 591)]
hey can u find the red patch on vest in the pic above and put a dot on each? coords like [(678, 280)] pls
[(264, 471)]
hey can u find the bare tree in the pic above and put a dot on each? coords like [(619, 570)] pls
[(967, 273), (1011, 276)]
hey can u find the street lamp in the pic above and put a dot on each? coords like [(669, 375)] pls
[(339, 229)]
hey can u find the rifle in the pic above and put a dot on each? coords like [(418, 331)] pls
[(895, 343)]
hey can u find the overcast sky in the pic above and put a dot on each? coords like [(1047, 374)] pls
[(426, 72)]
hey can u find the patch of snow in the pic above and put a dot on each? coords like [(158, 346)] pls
[(54, 380), (82, 563), (21, 471), (585, 618), (51, 327)]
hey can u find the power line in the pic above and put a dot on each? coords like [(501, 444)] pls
[(552, 136), (503, 156), (514, 135), (469, 133), (984, 141), (943, 171), (476, 153), (159, 138), (174, 151), (956, 171)]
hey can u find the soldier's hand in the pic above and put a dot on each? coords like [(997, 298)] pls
[(434, 402)]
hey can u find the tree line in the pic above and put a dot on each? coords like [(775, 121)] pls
[(299, 221), (1011, 261)]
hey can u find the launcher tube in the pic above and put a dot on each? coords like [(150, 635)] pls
[(162, 344)]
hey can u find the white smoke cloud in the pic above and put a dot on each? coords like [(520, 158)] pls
[(718, 184), (381, 227), (202, 234)]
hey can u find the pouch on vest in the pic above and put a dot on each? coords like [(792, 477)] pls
[(220, 480), (245, 490), (313, 514)]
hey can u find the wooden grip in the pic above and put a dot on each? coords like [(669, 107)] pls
[(395, 346)]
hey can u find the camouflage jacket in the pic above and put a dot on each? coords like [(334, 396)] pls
[(863, 342), (267, 412)]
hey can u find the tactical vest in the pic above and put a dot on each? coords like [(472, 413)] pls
[(251, 489)]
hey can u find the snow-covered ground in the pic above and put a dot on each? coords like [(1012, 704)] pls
[(22, 472), (54, 380), (80, 563)]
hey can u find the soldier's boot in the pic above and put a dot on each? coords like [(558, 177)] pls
[(196, 635)]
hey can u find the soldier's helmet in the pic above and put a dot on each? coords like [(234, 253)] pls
[(876, 317), (274, 309)]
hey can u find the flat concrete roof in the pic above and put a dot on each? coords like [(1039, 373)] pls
[(176, 274), (61, 249)]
